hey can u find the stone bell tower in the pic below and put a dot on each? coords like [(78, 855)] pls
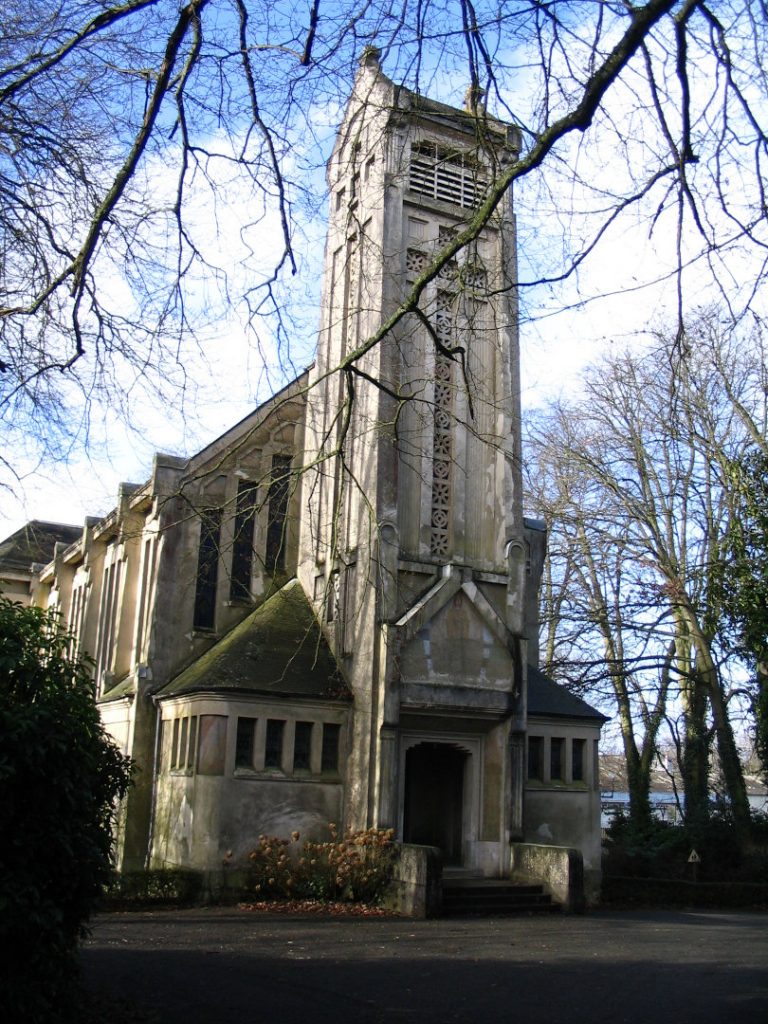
[(413, 545)]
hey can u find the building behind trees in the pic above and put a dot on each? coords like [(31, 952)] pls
[(330, 613)]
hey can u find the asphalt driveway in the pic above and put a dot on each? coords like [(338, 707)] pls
[(227, 966)]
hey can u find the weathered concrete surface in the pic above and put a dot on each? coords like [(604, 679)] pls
[(559, 869), (416, 889), (223, 965)]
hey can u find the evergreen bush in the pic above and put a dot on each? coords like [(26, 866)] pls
[(60, 776)]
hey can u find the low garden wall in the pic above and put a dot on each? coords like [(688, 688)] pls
[(416, 887), (559, 869)]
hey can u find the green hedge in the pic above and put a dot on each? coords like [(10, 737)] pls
[(160, 887), (668, 892)]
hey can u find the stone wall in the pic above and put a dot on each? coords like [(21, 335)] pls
[(559, 869)]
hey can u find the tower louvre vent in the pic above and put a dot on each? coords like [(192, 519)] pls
[(448, 175)]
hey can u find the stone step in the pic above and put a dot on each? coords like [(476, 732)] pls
[(494, 897)]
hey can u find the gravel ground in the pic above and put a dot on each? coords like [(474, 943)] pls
[(224, 965)]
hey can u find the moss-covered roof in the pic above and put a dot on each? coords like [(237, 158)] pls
[(278, 650), (124, 687), (547, 698)]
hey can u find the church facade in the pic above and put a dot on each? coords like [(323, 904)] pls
[(330, 613)]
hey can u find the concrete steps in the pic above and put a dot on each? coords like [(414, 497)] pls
[(493, 897)]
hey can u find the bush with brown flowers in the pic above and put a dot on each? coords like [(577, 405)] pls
[(355, 866)]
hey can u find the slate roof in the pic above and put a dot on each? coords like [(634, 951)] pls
[(35, 542), (277, 650), (546, 697)]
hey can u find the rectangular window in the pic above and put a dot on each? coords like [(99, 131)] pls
[(207, 569), (105, 622), (329, 761), (246, 733), (175, 743), (107, 616), (211, 745), (145, 593), (184, 743), (242, 544), (578, 750), (273, 752), (557, 759), (192, 745), (535, 757), (76, 618), (302, 746), (332, 607), (181, 756), (277, 509)]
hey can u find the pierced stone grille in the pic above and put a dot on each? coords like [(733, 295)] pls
[(474, 276), (444, 318), (442, 444), (449, 271), (415, 261)]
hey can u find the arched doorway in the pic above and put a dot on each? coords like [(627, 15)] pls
[(434, 798)]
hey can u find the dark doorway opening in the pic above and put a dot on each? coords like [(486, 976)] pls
[(434, 798)]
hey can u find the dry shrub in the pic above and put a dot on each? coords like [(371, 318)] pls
[(355, 867)]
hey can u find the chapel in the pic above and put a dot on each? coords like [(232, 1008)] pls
[(330, 613)]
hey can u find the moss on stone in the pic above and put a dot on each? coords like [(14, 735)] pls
[(277, 650), (124, 687)]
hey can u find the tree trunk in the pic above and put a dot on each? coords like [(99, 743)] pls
[(730, 764), (638, 765), (695, 760)]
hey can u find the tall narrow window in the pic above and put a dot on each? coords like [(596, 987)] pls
[(76, 618), (334, 591), (175, 743), (145, 593), (246, 732), (184, 743), (276, 512), (181, 757), (107, 618), (557, 759), (578, 750), (273, 751), (536, 757), (207, 568), (192, 745), (242, 545), (329, 761), (302, 746)]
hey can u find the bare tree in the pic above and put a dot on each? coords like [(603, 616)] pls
[(121, 122), (644, 519), (604, 634)]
